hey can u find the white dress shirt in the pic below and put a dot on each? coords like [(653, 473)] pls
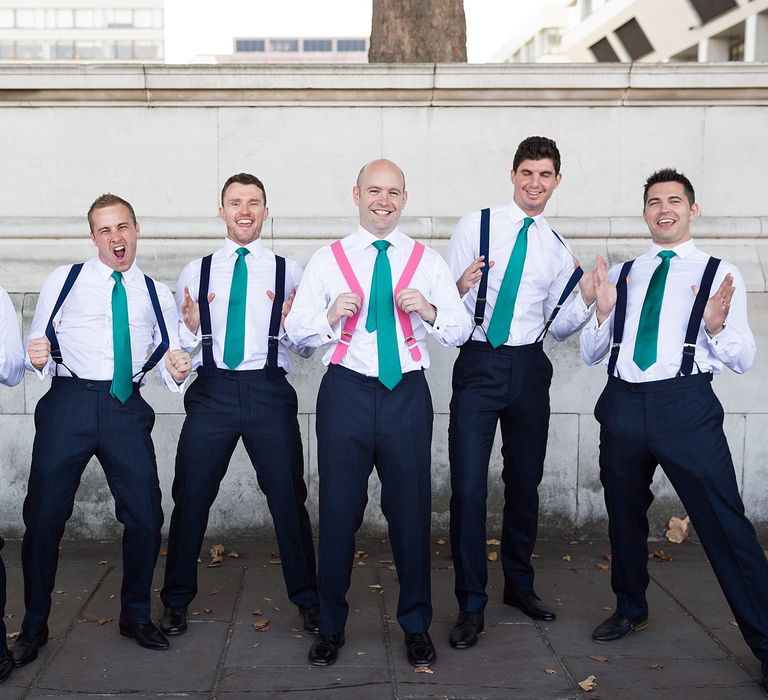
[(260, 264), (307, 323), (548, 266), (83, 324), (733, 347), (11, 352)]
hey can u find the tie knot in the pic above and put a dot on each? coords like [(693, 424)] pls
[(117, 276), (666, 254), (381, 246), (527, 221), (242, 252)]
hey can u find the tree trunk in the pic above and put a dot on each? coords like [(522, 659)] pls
[(418, 31)]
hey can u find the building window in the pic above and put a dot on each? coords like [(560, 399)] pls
[(289, 45), (736, 50), (603, 51), (351, 45), (147, 50), (65, 19), (318, 45), (249, 45), (88, 50), (142, 19), (709, 9), (64, 50), (30, 19), (84, 19), (632, 36), (6, 19), (7, 50), (28, 51), (123, 50)]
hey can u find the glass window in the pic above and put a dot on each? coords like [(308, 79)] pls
[(123, 50), (157, 19), (84, 19), (350, 45), (65, 19), (88, 50), (7, 50), (142, 18), (64, 50), (119, 18), (249, 45), (6, 19), (147, 50), (28, 51), (634, 39), (25, 19), (283, 44), (318, 45)]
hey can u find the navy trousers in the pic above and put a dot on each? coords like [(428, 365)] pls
[(222, 406), (510, 385), (3, 642), (678, 424), (361, 423), (75, 420)]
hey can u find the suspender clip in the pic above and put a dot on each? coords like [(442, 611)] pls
[(615, 346), (689, 348), (207, 339), (56, 355), (272, 340)]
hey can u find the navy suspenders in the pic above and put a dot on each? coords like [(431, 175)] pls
[(694, 322), (274, 320), (69, 282), (482, 290)]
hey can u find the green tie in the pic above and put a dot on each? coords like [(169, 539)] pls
[(381, 318), (648, 327), (498, 330), (234, 340), (122, 377)]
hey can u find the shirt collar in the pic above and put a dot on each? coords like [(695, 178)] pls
[(106, 272), (518, 215), (255, 247), (681, 251), (365, 239)]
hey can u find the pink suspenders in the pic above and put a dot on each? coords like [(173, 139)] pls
[(351, 323)]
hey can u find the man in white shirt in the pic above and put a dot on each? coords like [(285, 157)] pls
[(94, 328), (372, 301), (11, 373), (663, 337), (232, 304), (503, 375)]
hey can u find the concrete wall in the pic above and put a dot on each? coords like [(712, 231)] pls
[(167, 137)]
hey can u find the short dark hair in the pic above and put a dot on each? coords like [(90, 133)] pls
[(537, 148), (244, 179), (109, 200), (669, 175)]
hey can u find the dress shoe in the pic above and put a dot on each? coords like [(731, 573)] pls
[(26, 646), (528, 602), (146, 634), (311, 618), (465, 631), (616, 627), (419, 649), (6, 664), (325, 649), (174, 621)]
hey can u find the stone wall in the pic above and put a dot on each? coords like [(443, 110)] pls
[(167, 137)]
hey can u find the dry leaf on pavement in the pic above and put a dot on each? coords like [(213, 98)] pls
[(493, 556), (104, 620), (601, 659), (656, 667), (233, 554), (661, 555), (375, 585), (440, 541), (261, 626), (566, 557), (603, 566), (589, 683), (423, 669), (550, 671), (493, 541), (677, 529)]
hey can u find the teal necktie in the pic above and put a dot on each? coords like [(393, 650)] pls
[(648, 327), (381, 318), (234, 341), (122, 377), (498, 329)]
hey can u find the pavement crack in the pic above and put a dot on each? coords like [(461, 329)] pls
[(230, 634)]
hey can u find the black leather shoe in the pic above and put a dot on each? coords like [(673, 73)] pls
[(616, 627), (419, 649), (325, 649), (146, 635), (528, 602), (174, 621), (6, 663), (26, 646), (465, 631), (311, 618)]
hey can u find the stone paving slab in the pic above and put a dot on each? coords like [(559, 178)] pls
[(690, 648)]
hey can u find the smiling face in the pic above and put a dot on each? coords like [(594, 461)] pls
[(244, 212), (380, 197), (534, 182), (668, 214), (115, 234)]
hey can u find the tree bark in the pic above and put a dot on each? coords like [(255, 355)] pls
[(418, 31)]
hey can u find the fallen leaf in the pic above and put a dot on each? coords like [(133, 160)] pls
[(257, 612), (12, 635), (375, 585), (607, 556), (493, 541), (602, 566), (103, 562), (214, 592), (601, 659), (440, 541), (276, 561), (361, 653), (385, 561), (661, 555), (423, 669), (734, 623), (60, 592), (589, 683), (104, 620), (566, 557), (215, 563), (493, 556), (195, 613), (163, 551), (233, 554), (216, 550), (573, 542), (261, 625), (535, 556), (607, 607), (550, 671), (656, 667), (677, 529), (207, 611), (199, 560), (255, 644), (360, 554), (362, 563)]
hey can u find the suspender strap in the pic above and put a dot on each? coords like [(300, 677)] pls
[(570, 285), (160, 350), (619, 315), (277, 312), (351, 323), (50, 332), (205, 312), (697, 314), (482, 290)]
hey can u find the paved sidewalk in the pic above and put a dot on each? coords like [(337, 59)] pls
[(691, 647)]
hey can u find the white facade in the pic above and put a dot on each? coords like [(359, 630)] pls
[(81, 30)]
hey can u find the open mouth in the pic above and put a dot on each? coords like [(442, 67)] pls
[(665, 222), (244, 223), (119, 253), (381, 212)]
